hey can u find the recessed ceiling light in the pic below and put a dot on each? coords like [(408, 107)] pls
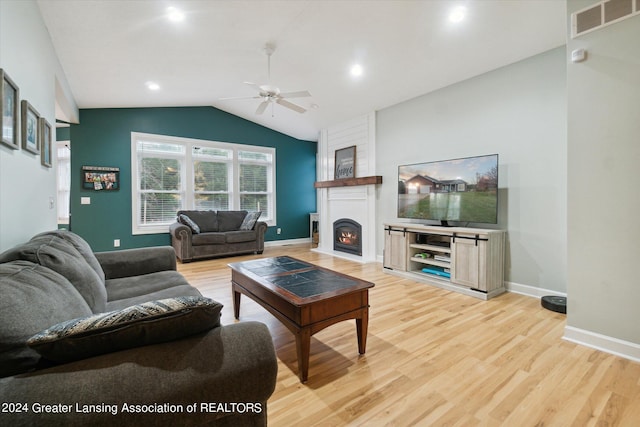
[(457, 14), (175, 15), (153, 86), (356, 70)]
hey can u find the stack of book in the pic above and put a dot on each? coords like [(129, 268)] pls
[(437, 271)]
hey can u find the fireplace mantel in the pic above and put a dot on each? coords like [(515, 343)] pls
[(344, 182)]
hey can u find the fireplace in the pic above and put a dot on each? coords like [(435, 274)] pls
[(347, 236)]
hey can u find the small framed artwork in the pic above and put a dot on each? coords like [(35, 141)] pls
[(45, 142), (9, 97), (100, 178), (30, 128), (345, 165)]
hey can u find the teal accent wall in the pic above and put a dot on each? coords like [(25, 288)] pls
[(103, 138), (63, 134)]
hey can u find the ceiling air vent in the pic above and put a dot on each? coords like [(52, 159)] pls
[(602, 14)]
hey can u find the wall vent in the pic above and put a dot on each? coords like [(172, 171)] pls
[(602, 14)]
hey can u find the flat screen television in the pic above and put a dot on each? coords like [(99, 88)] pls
[(461, 190)]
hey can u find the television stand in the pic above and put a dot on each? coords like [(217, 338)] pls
[(465, 260)]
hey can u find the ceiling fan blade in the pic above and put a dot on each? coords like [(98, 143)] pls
[(263, 106), (290, 105), (239, 97), (301, 94)]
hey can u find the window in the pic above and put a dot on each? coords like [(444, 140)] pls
[(172, 173), (211, 174), (254, 183), (63, 162)]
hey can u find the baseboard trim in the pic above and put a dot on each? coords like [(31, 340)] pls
[(531, 291), (287, 242), (615, 346)]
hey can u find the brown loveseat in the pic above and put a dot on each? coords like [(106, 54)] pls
[(207, 234), (121, 338)]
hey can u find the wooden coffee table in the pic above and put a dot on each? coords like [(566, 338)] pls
[(304, 297)]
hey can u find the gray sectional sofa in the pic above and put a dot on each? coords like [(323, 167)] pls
[(205, 234), (121, 338)]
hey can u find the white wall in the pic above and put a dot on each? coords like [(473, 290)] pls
[(603, 172), (519, 112), (28, 57)]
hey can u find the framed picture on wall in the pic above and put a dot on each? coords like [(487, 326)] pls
[(30, 128), (345, 164), (45, 142), (100, 178), (9, 98)]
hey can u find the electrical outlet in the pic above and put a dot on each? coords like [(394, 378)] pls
[(278, 230), (116, 243)]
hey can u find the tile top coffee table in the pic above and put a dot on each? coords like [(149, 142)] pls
[(304, 297)]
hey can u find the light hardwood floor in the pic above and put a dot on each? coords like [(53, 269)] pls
[(435, 358)]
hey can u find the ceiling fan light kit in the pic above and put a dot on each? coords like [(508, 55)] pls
[(271, 94)]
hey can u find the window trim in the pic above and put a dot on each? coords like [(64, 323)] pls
[(187, 176)]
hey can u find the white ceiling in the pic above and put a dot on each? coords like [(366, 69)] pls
[(110, 48)]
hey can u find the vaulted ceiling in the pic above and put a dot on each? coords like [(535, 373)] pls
[(111, 49)]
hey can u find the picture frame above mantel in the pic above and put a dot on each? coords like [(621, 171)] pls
[(345, 163)]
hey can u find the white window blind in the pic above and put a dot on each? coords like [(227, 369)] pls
[(63, 162), (211, 178), (159, 182), (255, 183)]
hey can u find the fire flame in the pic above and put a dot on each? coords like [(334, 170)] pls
[(348, 238)]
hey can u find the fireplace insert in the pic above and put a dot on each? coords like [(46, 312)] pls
[(347, 236)]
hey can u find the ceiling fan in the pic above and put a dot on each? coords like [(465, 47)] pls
[(270, 94)]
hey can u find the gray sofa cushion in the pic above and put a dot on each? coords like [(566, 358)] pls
[(149, 323), (32, 298), (133, 286), (172, 292), (206, 220), (250, 220), (208, 239), (184, 219), (55, 252), (230, 220), (81, 245), (240, 236)]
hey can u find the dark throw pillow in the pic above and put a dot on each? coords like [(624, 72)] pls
[(250, 220), (148, 323), (184, 219)]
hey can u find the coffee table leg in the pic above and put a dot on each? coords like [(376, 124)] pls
[(362, 324), (303, 347), (236, 303)]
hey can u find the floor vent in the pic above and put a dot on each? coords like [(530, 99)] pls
[(601, 14)]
